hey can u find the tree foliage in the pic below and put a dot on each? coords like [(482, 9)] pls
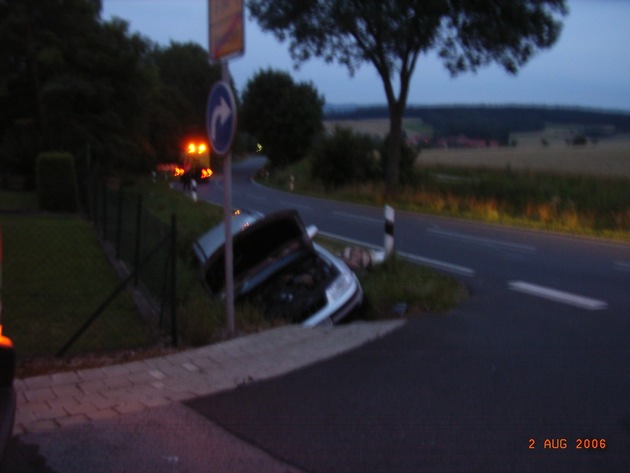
[(343, 158), (284, 116), (70, 81), (179, 108), (392, 35)]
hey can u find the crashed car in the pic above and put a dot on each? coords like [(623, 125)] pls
[(7, 393), (279, 268)]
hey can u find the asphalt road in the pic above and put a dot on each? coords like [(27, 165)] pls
[(530, 374)]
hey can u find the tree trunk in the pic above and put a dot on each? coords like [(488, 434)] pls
[(395, 140)]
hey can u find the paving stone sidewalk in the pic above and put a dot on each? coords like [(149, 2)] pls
[(62, 399)]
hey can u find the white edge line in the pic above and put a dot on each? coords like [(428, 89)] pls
[(557, 296), (349, 240), (357, 217), (453, 268)]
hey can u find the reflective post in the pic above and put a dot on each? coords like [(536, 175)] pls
[(389, 231)]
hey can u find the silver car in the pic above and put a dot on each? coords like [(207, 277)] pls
[(279, 268)]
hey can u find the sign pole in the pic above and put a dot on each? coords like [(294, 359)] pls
[(226, 39), (227, 212)]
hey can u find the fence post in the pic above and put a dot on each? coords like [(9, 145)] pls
[(138, 235), (104, 194), (93, 200), (119, 224), (173, 290)]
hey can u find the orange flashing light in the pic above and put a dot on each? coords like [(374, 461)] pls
[(5, 342), (196, 148), (206, 173)]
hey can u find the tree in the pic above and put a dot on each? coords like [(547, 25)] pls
[(282, 115), (392, 34), (69, 80), (179, 109)]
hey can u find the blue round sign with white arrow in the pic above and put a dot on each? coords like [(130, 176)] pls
[(221, 117)]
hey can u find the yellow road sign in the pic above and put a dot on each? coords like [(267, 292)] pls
[(226, 28)]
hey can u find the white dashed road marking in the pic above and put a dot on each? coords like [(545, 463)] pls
[(558, 296)]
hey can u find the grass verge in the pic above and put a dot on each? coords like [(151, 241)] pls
[(55, 275), (577, 204)]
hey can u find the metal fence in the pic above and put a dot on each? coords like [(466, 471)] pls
[(143, 250)]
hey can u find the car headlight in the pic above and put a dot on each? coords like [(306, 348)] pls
[(340, 286)]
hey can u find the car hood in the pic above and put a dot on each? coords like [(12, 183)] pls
[(255, 237)]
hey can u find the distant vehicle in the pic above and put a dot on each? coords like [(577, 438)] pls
[(196, 160), (7, 393), (279, 268), (194, 163)]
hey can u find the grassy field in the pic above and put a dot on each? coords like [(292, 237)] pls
[(605, 159), (610, 157)]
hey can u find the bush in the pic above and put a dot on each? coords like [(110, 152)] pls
[(343, 158), (56, 178)]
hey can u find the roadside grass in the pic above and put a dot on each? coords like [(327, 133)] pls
[(55, 275), (572, 203), (200, 319), (398, 287)]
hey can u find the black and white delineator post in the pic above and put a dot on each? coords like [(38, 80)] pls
[(389, 231)]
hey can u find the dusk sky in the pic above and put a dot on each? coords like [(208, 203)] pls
[(589, 66)]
